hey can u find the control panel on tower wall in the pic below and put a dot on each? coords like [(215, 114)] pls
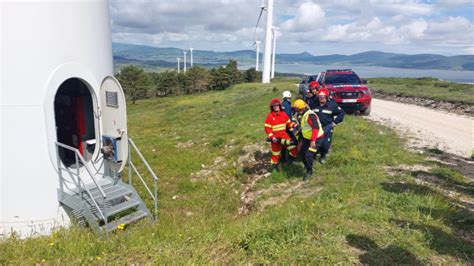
[(112, 148)]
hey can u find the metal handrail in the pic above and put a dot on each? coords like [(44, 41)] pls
[(143, 159), (153, 195), (83, 161), (143, 180), (79, 156)]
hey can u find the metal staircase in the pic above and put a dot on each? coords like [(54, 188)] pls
[(107, 203)]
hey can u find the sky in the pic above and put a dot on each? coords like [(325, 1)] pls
[(319, 27)]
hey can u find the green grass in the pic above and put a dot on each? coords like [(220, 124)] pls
[(361, 214), (428, 88)]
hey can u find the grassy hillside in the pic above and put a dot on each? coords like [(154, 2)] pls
[(354, 211), (428, 88)]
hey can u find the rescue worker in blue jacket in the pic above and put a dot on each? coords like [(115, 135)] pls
[(330, 114), (312, 98), (286, 103), (288, 109)]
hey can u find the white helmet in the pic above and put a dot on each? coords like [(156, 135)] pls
[(286, 94)]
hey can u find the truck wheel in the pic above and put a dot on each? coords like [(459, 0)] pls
[(367, 111)]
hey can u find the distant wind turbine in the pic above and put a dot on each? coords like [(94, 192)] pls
[(191, 50), (178, 63), (256, 43), (274, 34), (257, 53), (184, 53)]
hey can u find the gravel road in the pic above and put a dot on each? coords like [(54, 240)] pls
[(426, 127)]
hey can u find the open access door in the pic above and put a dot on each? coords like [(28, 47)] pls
[(114, 122)]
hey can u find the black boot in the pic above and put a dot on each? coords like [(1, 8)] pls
[(308, 175), (322, 159), (276, 168), (290, 160)]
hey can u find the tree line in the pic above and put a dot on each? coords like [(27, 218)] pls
[(138, 84)]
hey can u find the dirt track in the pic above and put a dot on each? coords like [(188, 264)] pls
[(426, 127)]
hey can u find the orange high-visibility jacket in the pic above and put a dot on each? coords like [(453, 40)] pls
[(276, 124)]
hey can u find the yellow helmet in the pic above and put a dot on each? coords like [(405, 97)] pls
[(299, 104)]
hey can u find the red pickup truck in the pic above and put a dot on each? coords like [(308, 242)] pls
[(350, 92)]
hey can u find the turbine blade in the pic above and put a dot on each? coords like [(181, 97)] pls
[(258, 21)]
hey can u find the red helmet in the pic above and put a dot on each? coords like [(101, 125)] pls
[(323, 92), (275, 101), (314, 84)]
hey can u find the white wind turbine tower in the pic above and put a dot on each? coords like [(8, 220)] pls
[(177, 58), (274, 34), (268, 43), (191, 50), (184, 53), (257, 53)]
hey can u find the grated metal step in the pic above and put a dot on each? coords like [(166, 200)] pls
[(118, 208), (113, 193), (107, 189), (84, 201), (133, 217)]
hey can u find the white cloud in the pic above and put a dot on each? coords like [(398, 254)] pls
[(447, 32), (374, 31), (454, 32), (179, 16), (169, 36), (454, 3), (406, 7), (451, 25), (308, 16), (469, 50), (305, 25), (415, 30)]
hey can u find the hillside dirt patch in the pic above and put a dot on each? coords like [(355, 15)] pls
[(215, 170), (254, 160), (211, 172), (184, 145), (253, 163), (279, 193), (258, 199)]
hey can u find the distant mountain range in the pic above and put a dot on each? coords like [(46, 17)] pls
[(155, 58)]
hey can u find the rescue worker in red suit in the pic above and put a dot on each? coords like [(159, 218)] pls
[(276, 123)]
